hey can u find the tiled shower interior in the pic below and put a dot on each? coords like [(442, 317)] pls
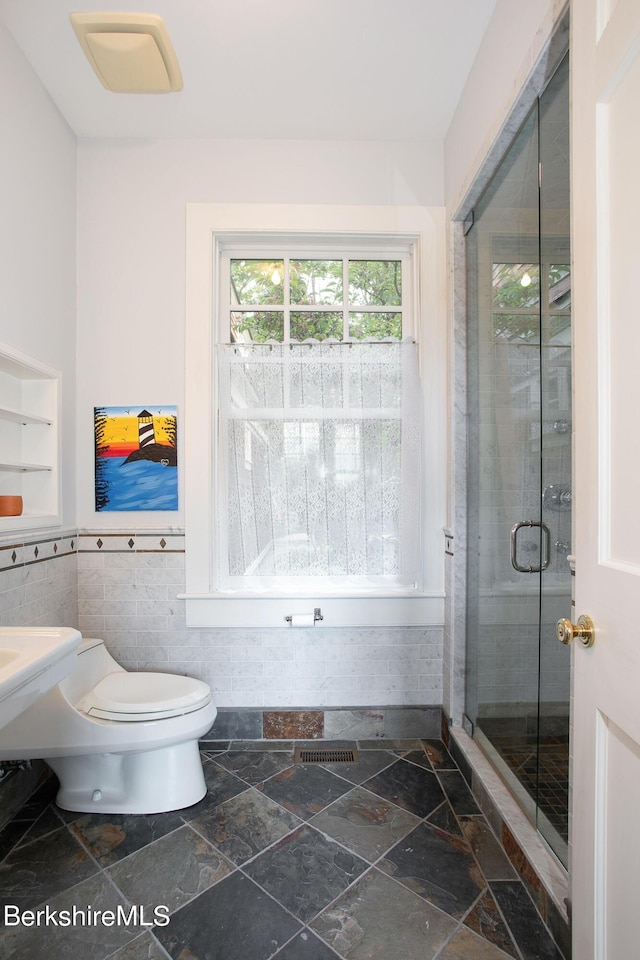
[(536, 751), (519, 496)]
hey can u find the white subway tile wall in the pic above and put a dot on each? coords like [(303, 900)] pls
[(123, 588), (127, 596), (38, 583)]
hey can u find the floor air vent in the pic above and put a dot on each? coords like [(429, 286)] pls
[(304, 755)]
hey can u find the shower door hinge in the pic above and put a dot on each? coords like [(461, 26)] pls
[(468, 223), (539, 173)]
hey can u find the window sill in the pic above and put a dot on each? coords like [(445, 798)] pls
[(217, 610)]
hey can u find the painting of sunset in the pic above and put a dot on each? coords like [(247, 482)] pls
[(136, 458)]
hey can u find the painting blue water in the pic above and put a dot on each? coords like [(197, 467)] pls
[(139, 485)]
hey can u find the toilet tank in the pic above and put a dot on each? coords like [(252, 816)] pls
[(94, 663)]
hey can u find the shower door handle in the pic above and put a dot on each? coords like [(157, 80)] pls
[(545, 553)]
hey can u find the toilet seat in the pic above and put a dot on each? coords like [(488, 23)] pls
[(134, 697)]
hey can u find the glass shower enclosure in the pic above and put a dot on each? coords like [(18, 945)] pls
[(519, 464)]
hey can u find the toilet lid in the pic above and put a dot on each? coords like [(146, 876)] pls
[(127, 696)]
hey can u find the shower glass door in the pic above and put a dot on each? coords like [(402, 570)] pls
[(519, 469)]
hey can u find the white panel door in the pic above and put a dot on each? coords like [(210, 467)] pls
[(605, 854)]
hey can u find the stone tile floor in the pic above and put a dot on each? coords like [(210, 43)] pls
[(385, 859)]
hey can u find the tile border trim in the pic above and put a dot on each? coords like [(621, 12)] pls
[(24, 552), (125, 542), (21, 551), (386, 724)]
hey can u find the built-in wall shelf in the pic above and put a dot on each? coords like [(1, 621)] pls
[(18, 416), (29, 439), (22, 467)]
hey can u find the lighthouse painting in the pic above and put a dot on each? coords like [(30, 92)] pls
[(136, 458)]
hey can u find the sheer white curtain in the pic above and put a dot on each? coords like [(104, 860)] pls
[(320, 486)]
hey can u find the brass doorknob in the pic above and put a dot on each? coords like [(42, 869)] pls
[(584, 631)]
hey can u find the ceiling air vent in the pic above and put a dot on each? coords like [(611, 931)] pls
[(129, 52)]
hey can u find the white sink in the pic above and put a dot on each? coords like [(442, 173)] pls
[(32, 660)]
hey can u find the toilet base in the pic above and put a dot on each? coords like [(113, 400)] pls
[(154, 781)]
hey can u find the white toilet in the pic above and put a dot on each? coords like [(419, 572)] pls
[(119, 742)]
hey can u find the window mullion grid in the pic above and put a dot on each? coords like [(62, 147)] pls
[(286, 298), (286, 330), (225, 294), (345, 299), (346, 398)]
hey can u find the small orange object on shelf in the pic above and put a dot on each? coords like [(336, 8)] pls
[(10, 506)]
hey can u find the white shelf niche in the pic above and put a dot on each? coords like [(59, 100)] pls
[(29, 439)]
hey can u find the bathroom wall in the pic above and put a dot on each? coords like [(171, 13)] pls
[(38, 236), (38, 581), (127, 587), (131, 308), (129, 200), (123, 589), (131, 252), (38, 578), (516, 38)]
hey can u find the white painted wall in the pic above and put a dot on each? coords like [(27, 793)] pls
[(38, 235), (512, 45), (131, 254)]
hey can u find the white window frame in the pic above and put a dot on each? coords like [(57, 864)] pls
[(208, 226)]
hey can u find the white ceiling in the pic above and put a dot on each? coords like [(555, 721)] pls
[(281, 69)]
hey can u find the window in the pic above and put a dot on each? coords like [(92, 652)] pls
[(286, 299), (319, 425), (530, 294), (310, 488)]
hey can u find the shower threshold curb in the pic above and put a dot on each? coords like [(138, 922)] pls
[(500, 808)]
